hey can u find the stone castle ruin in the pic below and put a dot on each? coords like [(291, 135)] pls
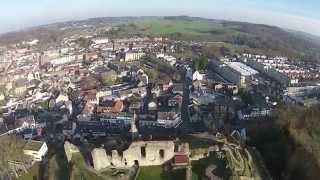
[(142, 153)]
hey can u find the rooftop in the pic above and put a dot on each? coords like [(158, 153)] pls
[(242, 68)]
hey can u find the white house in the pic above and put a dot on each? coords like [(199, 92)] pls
[(100, 41), (36, 149), (62, 99), (197, 76)]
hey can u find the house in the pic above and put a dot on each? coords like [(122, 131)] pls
[(169, 119), (197, 78), (90, 96), (111, 106), (175, 101), (20, 87), (36, 149), (103, 93), (133, 56), (99, 41), (142, 77), (169, 59), (148, 120), (177, 88), (61, 99), (254, 113), (165, 84), (91, 56)]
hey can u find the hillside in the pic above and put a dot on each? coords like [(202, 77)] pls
[(291, 148), (250, 37)]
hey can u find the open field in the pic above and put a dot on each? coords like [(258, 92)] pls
[(161, 27), (32, 174), (156, 173), (79, 170)]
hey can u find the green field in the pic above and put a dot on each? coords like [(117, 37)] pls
[(160, 27), (32, 174), (157, 173), (80, 171)]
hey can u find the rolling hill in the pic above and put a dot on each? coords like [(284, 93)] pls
[(251, 37)]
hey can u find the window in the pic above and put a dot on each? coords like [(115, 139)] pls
[(143, 152), (161, 153)]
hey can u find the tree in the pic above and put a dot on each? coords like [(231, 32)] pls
[(224, 51), (84, 42), (152, 74), (200, 63)]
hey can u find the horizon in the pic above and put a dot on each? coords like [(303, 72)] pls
[(160, 16), (294, 15)]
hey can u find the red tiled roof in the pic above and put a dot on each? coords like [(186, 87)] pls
[(181, 159), (116, 107)]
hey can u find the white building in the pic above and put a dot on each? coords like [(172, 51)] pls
[(197, 76), (33, 42), (169, 59), (234, 72), (66, 60), (35, 149), (100, 41), (133, 56)]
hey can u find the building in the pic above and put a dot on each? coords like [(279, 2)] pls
[(254, 113), (234, 72), (36, 149), (169, 119), (169, 59), (304, 96), (103, 93), (66, 59), (20, 87), (111, 106), (91, 56), (142, 153), (99, 41), (133, 56), (271, 69)]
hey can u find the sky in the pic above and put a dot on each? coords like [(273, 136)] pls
[(301, 15)]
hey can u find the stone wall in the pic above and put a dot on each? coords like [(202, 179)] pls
[(70, 149), (142, 153)]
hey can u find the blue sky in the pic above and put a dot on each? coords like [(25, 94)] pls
[(294, 14)]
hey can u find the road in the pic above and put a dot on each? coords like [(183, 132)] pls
[(186, 126)]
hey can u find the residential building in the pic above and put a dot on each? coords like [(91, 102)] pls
[(234, 72), (133, 56)]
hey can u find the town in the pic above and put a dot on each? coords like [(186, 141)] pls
[(121, 104)]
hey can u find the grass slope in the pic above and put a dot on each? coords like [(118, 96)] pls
[(157, 173)]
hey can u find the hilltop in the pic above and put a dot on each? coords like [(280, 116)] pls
[(240, 36)]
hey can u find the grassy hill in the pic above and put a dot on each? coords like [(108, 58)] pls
[(249, 37), (268, 39)]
